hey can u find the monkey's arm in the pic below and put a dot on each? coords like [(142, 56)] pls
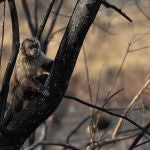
[(34, 86), (46, 63)]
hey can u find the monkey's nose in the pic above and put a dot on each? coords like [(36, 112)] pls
[(34, 52)]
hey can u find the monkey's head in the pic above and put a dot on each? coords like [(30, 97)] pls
[(30, 48)]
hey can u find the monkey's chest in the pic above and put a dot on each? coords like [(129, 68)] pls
[(27, 69)]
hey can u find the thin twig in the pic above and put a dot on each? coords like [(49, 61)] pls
[(60, 14), (134, 100), (100, 144), (87, 74), (52, 25), (52, 143), (10, 66), (106, 111), (142, 11), (116, 77), (39, 33), (136, 140), (54, 33), (117, 139), (3, 29), (90, 92), (108, 5), (119, 71), (138, 49), (99, 83), (28, 16), (145, 142), (76, 129), (54, 20), (36, 15), (111, 96)]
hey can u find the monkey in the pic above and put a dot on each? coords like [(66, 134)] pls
[(30, 61)]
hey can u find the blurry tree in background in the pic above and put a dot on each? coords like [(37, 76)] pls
[(121, 91)]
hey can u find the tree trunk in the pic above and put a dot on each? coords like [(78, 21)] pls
[(39, 108)]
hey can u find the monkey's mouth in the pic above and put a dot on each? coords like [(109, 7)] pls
[(34, 53)]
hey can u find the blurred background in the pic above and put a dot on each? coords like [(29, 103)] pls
[(115, 55)]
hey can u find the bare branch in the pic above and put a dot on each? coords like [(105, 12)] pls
[(36, 15), (136, 140), (117, 139), (138, 49), (54, 33), (133, 101), (108, 5), (53, 22), (76, 129), (42, 26), (87, 75), (52, 143), (60, 14), (106, 111), (28, 16), (142, 11), (2, 40), (15, 50), (39, 108)]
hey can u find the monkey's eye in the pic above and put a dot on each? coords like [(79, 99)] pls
[(33, 46), (36, 45)]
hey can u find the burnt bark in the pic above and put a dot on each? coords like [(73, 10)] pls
[(15, 49), (39, 108)]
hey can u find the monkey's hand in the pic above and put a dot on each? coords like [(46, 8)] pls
[(45, 92)]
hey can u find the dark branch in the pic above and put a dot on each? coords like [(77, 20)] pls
[(38, 109), (39, 33), (139, 137), (15, 50), (106, 111), (53, 22), (76, 129), (36, 15), (108, 5), (55, 144), (54, 33), (28, 16), (2, 39)]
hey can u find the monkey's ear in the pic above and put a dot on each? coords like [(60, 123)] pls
[(22, 49), (21, 46)]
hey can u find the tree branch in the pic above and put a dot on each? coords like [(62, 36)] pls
[(108, 5), (39, 108), (136, 140), (28, 16), (53, 22), (3, 28), (53, 144), (106, 111), (10, 66), (39, 33)]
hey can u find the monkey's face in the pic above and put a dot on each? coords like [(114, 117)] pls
[(31, 48)]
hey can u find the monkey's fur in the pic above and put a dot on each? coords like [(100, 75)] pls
[(25, 81), (29, 62)]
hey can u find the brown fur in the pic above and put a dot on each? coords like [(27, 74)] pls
[(29, 61)]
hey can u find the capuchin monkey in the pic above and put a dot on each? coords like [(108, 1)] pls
[(26, 81), (29, 62)]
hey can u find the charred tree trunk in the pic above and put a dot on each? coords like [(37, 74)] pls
[(39, 108)]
